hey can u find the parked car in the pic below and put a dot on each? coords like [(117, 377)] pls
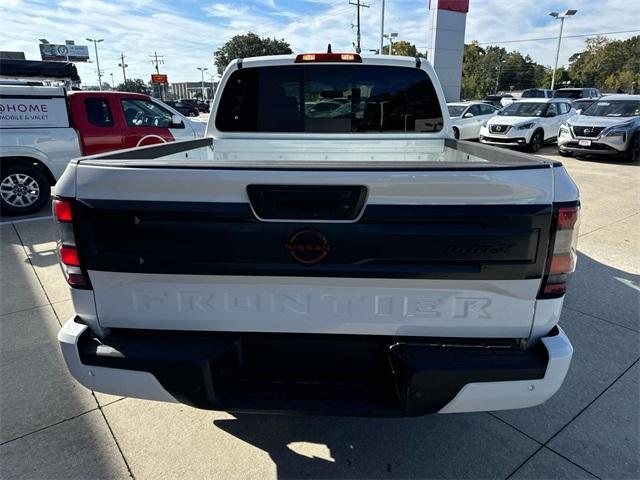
[(42, 128), (467, 118), (575, 93), (499, 100), (202, 106), (527, 123), (186, 109), (610, 126), (537, 93), (581, 104), (362, 265)]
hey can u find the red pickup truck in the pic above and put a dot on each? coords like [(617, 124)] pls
[(42, 128)]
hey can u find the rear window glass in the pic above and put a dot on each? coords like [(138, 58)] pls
[(98, 112), (329, 99)]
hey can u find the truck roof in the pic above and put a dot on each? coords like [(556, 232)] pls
[(391, 60), (108, 93), (30, 90)]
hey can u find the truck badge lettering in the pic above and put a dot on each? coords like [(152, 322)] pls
[(307, 247)]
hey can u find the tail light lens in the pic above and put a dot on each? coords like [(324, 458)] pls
[(67, 249), (328, 57), (563, 254)]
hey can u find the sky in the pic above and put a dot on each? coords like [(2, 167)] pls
[(187, 32)]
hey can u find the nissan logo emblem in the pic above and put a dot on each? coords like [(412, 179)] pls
[(587, 131), (307, 247)]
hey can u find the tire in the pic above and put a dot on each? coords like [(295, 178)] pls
[(456, 133), (633, 152), (536, 141), (23, 190)]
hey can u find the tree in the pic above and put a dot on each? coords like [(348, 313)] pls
[(249, 45), (607, 64), (135, 85), (402, 47)]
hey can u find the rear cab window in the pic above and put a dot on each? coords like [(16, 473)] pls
[(329, 99), (98, 112)]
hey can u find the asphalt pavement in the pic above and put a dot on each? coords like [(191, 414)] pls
[(51, 427)]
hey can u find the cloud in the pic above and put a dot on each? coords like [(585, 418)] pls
[(188, 33)]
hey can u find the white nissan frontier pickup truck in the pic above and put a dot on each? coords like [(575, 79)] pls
[(327, 248)]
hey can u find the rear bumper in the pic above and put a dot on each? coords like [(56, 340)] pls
[(318, 374)]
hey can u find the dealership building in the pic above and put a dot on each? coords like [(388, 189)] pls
[(191, 89)]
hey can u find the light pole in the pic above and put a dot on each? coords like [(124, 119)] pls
[(499, 69), (113, 85), (390, 36), (95, 45), (381, 28), (202, 70), (556, 15)]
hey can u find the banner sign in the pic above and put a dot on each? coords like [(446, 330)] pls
[(159, 78), (33, 112), (72, 53)]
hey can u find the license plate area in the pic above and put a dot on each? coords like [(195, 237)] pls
[(584, 143)]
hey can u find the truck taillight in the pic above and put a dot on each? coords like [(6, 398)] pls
[(62, 210), (328, 57), (67, 249), (562, 260)]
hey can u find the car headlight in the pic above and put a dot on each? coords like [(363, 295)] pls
[(525, 126), (618, 130), (564, 130)]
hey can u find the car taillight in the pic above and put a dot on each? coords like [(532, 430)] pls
[(62, 210), (67, 249), (328, 57), (562, 260)]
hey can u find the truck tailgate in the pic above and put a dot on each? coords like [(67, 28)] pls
[(413, 252)]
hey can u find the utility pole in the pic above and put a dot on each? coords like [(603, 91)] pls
[(381, 28), (123, 65), (157, 60), (113, 85), (95, 44), (358, 6)]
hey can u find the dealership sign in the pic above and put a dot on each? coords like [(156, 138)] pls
[(71, 53)]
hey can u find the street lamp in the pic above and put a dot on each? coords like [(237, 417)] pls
[(499, 69), (391, 36), (113, 85), (202, 70), (95, 45), (561, 16)]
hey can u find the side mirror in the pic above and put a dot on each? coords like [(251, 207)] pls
[(579, 111), (467, 115), (176, 121)]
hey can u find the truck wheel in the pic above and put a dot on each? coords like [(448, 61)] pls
[(23, 190), (633, 152), (536, 141), (456, 133)]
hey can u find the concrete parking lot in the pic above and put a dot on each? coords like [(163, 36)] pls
[(51, 427)]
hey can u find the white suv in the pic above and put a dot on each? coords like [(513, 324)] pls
[(527, 123)]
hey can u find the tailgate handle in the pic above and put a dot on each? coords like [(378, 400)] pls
[(307, 202)]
